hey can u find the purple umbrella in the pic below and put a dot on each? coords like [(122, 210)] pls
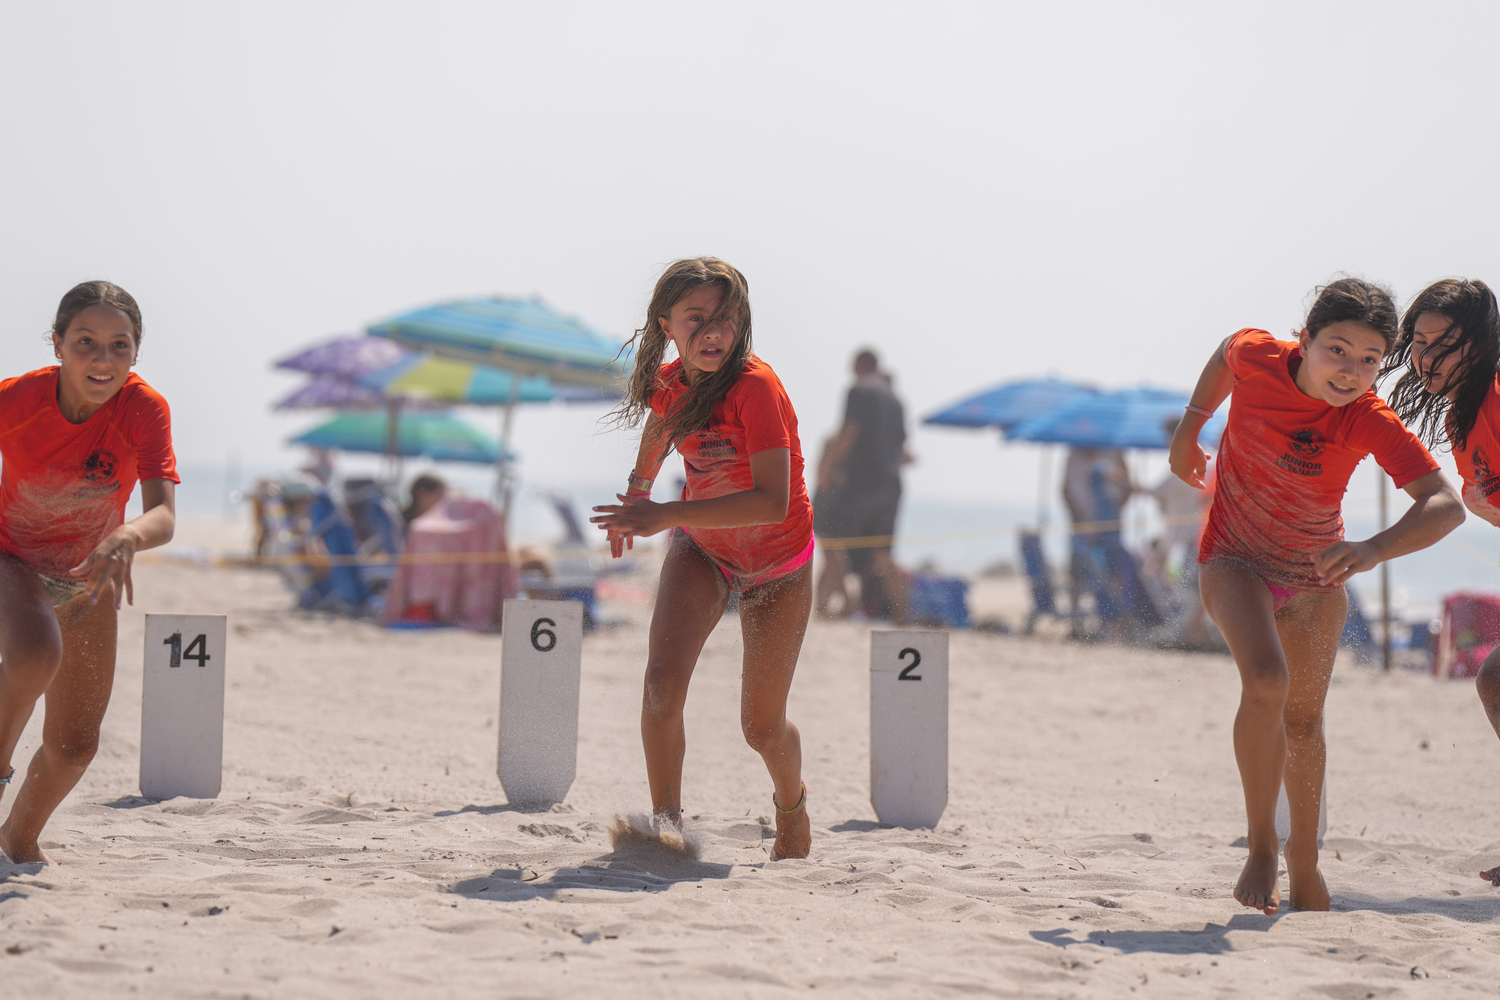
[(332, 391), (347, 357)]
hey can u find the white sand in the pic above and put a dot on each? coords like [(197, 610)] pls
[(362, 848)]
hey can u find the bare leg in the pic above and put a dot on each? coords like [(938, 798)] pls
[(1309, 627), (690, 599), (895, 585), (75, 704), (773, 618), (832, 581), (1487, 685), (1239, 603), (30, 651)]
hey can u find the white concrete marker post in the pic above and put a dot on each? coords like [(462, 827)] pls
[(541, 657), (1284, 814), (182, 707), (909, 727)]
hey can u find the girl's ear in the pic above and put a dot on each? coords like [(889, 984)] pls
[(1303, 339), (57, 346), (661, 322)]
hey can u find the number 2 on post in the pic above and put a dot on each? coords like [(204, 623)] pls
[(916, 661)]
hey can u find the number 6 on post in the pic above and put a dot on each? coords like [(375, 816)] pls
[(182, 707), (541, 655)]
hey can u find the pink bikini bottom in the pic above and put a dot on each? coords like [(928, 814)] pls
[(740, 584), (1281, 596)]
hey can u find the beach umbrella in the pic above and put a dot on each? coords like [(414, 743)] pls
[(333, 392), (1010, 403), (438, 436), (345, 357), (429, 376), (1130, 418), (525, 336), (519, 335)]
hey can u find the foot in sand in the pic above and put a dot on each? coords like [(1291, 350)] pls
[(1492, 876), (1257, 887), (1306, 889), (793, 832), (21, 854)]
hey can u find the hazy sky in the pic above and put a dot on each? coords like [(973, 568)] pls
[(980, 191)]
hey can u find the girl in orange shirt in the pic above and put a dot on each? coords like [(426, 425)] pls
[(76, 438), (744, 524), (1448, 389), (1273, 557)]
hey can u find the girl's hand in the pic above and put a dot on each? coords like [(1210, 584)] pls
[(1337, 563), (635, 515), (1189, 462), (109, 566)]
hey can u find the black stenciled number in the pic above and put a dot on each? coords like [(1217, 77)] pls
[(175, 641), (198, 650), (537, 632), (916, 661)]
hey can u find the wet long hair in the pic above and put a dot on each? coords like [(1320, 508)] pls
[(95, 293), (1473, 323), (690, 415)]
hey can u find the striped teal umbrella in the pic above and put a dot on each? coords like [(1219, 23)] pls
[(526, 336), (441, 437)]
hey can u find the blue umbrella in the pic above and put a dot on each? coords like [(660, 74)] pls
[(1130, 418), (1011, 403), (520, 335)]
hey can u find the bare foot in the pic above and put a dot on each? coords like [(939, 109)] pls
[(21, 854), (1307, 890), (793, 832), (1492, 876), (1257, 887)]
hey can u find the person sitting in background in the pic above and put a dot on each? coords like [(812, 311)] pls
[(426, 491)]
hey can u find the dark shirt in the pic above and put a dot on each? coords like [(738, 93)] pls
[(875, 457)]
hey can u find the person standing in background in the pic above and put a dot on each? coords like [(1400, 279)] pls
[(859, 486)]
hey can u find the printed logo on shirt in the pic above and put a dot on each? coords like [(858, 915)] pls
[(1302, 446), (713, 444), (99, 471), (1485, 480)]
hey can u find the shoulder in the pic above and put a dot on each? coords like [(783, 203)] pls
[(41, 381), (757, 381), (138, 397), (1249, 350)]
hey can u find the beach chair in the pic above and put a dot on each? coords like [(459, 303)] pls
[(1039, 575)]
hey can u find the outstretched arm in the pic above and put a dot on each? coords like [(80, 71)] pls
[(1437, 510), (1188, 460), (764, 503), (109, 564)]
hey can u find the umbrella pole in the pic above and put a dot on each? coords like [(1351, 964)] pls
[(502, 471), (393, 440)]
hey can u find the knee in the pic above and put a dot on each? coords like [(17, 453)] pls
[(1303, 725), (664, 690), (74, 751), (1266, 683), (762, 733)]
